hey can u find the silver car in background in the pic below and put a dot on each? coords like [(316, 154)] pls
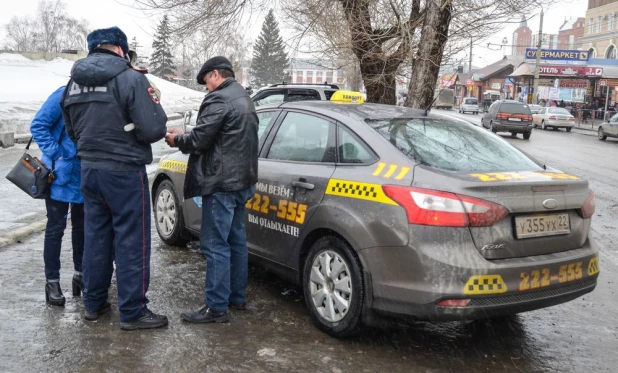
[(553, 117)]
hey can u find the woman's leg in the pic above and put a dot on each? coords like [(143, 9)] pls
[(54, 231)]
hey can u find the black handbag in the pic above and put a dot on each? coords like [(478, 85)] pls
[(31, 175)]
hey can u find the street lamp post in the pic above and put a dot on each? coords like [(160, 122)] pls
[(538, 60)]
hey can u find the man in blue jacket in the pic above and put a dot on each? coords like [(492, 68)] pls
[(113, 115), (59, 152)]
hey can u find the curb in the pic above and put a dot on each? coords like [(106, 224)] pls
[(23, 232), (36, 227)]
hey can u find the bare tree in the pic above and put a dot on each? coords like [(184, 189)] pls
[(49, 30)]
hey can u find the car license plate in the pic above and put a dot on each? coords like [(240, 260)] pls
[(515, 119), (542, 225), (562, 118)]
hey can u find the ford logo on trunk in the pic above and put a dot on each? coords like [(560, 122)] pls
[(550, 204)]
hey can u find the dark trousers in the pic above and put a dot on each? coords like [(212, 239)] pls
[(54, 231), (117, 226), (223, 241)]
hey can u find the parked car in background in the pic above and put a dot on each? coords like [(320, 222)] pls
[(534, 109), (469, 105), (509, 116), (278, 93), (609, 129), (553, 117)]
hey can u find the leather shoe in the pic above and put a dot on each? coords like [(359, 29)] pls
[(149, 320), (205, 315), (238, 306), (53, 294), (94, 315)]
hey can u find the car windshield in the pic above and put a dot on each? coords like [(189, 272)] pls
[(451, 145), (514, 108), (559, 111), (471, 101), (535, 107)]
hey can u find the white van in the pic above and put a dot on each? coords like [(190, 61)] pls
[(470, 105)]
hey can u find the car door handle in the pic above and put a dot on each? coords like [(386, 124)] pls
[(303, 184)]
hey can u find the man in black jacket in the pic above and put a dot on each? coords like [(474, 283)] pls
[(222, 169), (113, 115)]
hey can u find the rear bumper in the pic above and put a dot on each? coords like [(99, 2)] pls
[(509, 127), (559, 123), (408, 282)]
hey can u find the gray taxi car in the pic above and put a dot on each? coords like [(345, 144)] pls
[(608, 129), (378, 210)]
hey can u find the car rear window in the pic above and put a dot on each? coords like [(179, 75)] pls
[(558, 111), (471, 101), (514, 108), (452, 145)]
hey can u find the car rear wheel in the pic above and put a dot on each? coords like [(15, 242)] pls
[(543, 127), (333, 287), (491, 127), (527, 135), (168, 215), (601, 135), (568, 129)]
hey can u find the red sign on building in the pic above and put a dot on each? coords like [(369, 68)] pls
[(567, 70), (571, 83)]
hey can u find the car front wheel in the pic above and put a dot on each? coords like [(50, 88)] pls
[(333, 287), (168, 215), (601, 135)]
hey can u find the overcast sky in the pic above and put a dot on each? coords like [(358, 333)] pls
[(106, 13)]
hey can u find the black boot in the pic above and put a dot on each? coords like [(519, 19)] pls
[(78, 285), (53, 294), (149, 320), (204, 315)]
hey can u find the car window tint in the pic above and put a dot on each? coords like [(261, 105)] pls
[(451, 145), (265, 117), (558, 111), (471, 101), (274, 97), (352, 150), (302, 138), (303, 95), (514, 108)]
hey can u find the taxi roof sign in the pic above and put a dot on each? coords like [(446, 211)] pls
[(348, 96)]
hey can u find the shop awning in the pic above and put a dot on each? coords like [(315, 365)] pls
[(524, 70)]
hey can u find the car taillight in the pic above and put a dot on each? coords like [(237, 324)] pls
[(552, 117), (444, 209), (572, 119), (503, 116), (528, 118), (587, 210)]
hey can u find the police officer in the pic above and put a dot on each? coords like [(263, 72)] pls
[(113, 115)]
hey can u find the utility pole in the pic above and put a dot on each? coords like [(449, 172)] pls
[(469, 91), (538, 61)]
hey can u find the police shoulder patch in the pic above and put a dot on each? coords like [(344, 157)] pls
[(153, 95)]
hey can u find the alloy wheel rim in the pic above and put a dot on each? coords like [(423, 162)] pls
[(600, 133), (166, 212), (330, 286)]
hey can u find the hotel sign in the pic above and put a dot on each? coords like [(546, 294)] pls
[(568, 70), (558, 54), (570, 83)]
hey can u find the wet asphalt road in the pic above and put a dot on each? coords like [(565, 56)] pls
[(275, 334)]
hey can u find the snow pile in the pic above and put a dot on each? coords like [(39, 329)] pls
[(26, 84)]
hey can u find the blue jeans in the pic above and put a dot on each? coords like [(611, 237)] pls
[(117, 227), (54, 231), (223, 241)]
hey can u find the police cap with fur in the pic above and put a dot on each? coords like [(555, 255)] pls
[(112, 35)]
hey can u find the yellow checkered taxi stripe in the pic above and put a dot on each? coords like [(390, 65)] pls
[(357, 190), (174, 166), (485, 284), (593, 266)]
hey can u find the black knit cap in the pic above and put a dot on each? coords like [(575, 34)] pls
[(215, 63)]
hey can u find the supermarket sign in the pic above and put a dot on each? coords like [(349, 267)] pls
[(558, 54)]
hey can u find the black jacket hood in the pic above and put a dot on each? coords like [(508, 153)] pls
[(98, 68)]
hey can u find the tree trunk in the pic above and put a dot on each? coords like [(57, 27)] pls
[(379, 81), (426, 65)]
